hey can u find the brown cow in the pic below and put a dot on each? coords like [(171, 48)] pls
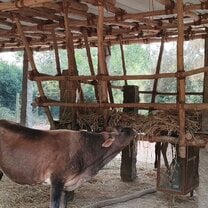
[(62, 158)]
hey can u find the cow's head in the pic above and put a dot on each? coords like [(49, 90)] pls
[(118, 136)]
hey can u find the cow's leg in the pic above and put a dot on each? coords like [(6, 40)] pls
[(164, 153), (157, 152), (69, 196), (65, 197), (56, 194), (1, 174)]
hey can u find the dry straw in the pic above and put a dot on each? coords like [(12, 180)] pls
[(155, 124)]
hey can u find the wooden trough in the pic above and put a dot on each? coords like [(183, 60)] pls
[(39, 25)]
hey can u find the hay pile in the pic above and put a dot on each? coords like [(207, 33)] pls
[(155, 124)]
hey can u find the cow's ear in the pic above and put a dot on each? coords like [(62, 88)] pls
[(108, 142)]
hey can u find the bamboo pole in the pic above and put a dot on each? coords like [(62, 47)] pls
[(70, 86), (55, 46), (90, 62), (45, 77), (101, 60), (200, 141), (158, 67), (107, 61), (123, 59), (32, 63), (181, 81), (144, 106)]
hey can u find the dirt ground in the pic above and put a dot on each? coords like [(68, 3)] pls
[(107, 185)]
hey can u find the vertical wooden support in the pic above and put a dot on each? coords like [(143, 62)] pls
[(27, 95), (181, 80), (205, 96), (107, 62), (103, 86), (71, 86), (55, 45), (123, 59), (34, 70), (128, 158), (92, 71), (158, 68)]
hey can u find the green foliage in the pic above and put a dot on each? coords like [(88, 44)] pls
[(10, 84), (6, 113), (139, 60)]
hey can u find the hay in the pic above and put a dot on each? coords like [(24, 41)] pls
[(155, 124), (18, 196)]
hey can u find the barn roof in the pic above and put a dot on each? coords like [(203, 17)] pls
[(132, 21)]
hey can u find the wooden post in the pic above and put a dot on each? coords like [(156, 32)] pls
[(181, 79), (70, 86), (89, 56), (205, 96), (55, 45), (27, 95), (158, 68), (123, 59), (107, 62), (17, 108), (128, 158), (103, 86)]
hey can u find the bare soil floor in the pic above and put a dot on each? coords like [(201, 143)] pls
[(107, 185)]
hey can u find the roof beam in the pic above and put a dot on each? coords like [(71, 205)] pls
[(165, 2)]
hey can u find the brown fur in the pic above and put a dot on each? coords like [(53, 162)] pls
[(63, 157)]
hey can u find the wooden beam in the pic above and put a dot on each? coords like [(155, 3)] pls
[(143, 106), (56, 51), (103, 86), (34, 69), (90, 62), (158, 67), (197, 140), (9, 6), (165, 2), (181, 81), (123, 59)]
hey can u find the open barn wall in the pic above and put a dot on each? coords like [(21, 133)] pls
[(48, 24)]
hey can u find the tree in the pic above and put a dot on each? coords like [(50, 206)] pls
[(10, 84)]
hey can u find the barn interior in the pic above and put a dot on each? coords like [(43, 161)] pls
[(42, 25)]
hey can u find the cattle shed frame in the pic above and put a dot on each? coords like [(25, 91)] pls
[(41, 25)]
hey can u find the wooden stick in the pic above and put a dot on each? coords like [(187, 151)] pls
[(32, 63), (181, 81), (198, 140), (90, 62), (144, 106), (101, 60), (123, 59), (158, 67), (58, 66)]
